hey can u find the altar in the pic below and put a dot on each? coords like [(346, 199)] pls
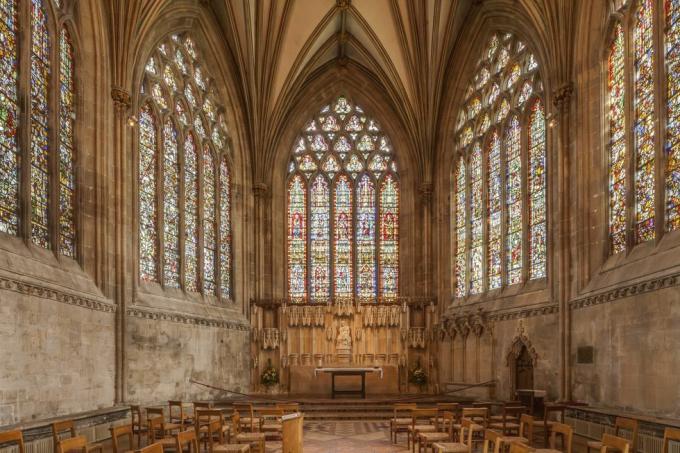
[(348, 371), (306, 380)]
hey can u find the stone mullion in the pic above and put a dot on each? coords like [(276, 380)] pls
[(53, 139), (468, 222), (331, 236), (219, 291), (485, 213), (660, 125), (181, 206), (524, 170), (355, 256), (629, 65), (200, 216), (160, 207), (504, 206), (24, 120), (377, 245)]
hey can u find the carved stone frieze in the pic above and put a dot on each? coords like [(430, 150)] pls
[(306, 316), (344, 308), (417, 337), (626, 291), (33, 290), (382, 316), (184, 318)]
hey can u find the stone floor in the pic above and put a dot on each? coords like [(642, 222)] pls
[(346, 437)]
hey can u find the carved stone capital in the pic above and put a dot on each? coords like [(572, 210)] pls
[(121, 99), (562, 95), (426, 191), (343, 4)]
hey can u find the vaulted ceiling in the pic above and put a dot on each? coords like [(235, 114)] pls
[(281, 45)]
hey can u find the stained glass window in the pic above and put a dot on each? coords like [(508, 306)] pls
[(537, 205), (343, 166), (171, 207), (191, 157), (9, 158), (209, 221), (40, 76), (673, 115), (495, 208), (297, 238), (644, 118), (617, 144), (476, 218), (494, 211), (513, 201), (460, 225), (67, 114), (148, 212), (225, 230), (190, 214), (389, 238)]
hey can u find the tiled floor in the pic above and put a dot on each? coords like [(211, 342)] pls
[(347, 437)]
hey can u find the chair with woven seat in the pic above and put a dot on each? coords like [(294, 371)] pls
[(478, 415), (552, 413), (465, 436), (77, 444), (217, 442), (68, 426), (253, 439), (186, 439), (13, 438), (442, 408), (620, 424), (248, 421), (509, 422), (118, 432), (270, 421), (499, 417), (519, 447), (158, 434), (526, 431), (614, 443), (566, 433), (444, 432), (138, 423), (177, 414), (210, 425), (168, 426), (401, 419), (420, 423), (492, 438)]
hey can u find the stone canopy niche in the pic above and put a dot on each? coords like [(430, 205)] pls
[(345, 333)]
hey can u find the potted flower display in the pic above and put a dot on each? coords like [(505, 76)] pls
[(270, 376), (418, 376)]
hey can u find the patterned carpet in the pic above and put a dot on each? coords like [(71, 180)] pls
[(347, 437)]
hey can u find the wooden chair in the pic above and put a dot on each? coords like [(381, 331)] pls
[(492, 437), (518, 447), (178, 415), (620, 423), (249, 422), (526, 431), (465, 436), (207, 431), (186, 439), (202, 405), (478, 415), (79, 444), (420, 423), (552, 413), (509, 422), (289, 408), (442, 408), (215, 433), (168, 427), (68, 426), (567, 434), (669, 435), (270, 420), (444, 432), (614, 443), (138, 425), (151, 448), (158, 434), (121, 431), (15, 437), (401, 419), (253, 439)]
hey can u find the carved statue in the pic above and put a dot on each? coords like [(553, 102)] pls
[(343, 341)]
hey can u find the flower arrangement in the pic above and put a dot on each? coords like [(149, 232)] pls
[(270, 375), (418, 376)]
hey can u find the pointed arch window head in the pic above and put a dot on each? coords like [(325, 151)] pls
[(183, 244), (343, 209), (498, 219)]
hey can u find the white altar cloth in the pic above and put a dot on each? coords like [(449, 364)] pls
[(348, 369)]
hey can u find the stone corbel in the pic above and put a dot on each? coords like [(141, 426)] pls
[(121, 99)]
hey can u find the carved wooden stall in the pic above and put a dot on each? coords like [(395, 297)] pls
[(296, 338)]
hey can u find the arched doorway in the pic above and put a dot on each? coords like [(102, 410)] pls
[(524, 370)]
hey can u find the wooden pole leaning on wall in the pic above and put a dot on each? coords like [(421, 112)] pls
[(292, 433)]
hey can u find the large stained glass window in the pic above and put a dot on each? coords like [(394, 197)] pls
[(190, 214), (186, 154), (225, 230), (673, 115), (499, 215), (343, 210), (40, 79), (644, 118), (617, 142), (67, 116), (9, 156)]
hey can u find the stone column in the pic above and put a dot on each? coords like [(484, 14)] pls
[(123, 282), (561, 273)]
